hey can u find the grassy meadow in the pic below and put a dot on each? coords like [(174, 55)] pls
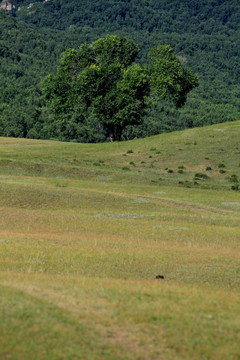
[(85, 229)]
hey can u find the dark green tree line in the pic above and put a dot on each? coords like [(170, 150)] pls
[(205, 35)]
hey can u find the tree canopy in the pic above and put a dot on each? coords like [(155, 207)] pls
[(32, 39), (100, 82)]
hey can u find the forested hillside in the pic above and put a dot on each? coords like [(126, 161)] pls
[(206, 36)]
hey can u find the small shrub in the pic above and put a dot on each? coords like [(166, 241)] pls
[(170, 171), (158, 152), (96, 164), (221, 166), (195, 143), (208, 168), (222, 171), (101, 161), (180, 171), (125, 168), (166, 168), (132, 163), (150, 157), (130, 151), (200, 176), (206, 158), (181, 167), (61, 185), (235, 187), (180, 182), (153, 149), (142, 162), (234, 178)]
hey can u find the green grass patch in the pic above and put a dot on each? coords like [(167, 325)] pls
[(81, 246)]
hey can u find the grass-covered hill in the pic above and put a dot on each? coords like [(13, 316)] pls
[(85, 229), (202, 157), (205, 35)]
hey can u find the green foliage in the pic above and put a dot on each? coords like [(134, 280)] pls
[(234, 178), (168, 77), (31, 41), (221, 165), (201, 176), (99, 81)]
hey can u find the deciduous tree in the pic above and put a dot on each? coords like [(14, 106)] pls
[(101, 81)]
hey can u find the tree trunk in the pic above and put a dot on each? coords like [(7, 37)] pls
[(112, 136), (115, 134), (119, 133)]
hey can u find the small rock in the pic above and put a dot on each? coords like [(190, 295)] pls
[(159, 277)]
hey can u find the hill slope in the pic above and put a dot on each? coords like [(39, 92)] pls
[(86, 228), (213, 151)]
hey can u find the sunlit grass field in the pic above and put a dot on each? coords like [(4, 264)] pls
[(86, 228)]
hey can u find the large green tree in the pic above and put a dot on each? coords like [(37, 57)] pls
[(169, 78), (100, 81)]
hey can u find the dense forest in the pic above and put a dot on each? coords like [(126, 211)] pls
[(205, 36)]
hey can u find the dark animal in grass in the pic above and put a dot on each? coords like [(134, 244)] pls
[(159, 277)]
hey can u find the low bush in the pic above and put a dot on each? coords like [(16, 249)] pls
[(221, 165), (234, 178), (200, 176)]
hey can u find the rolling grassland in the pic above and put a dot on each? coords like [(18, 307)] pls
[(85, 229)]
